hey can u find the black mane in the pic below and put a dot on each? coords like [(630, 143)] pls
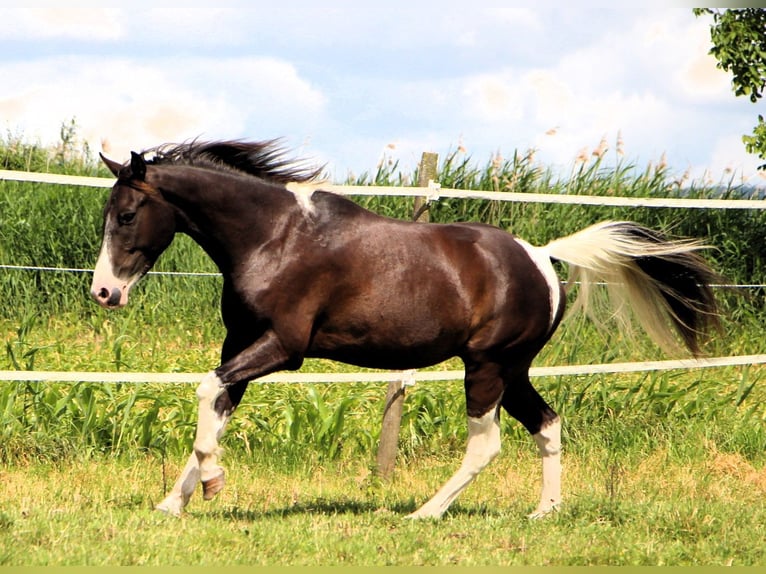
[(265, 159)]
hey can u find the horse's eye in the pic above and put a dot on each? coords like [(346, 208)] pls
[(126, 218)]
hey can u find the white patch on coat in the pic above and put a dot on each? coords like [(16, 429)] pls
[(303, 193), (542, 260)]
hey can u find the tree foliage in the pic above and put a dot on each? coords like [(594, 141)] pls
[(739, 45)]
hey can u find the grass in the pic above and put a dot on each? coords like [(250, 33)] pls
[(656, 509), (119, 417), (660, 468)]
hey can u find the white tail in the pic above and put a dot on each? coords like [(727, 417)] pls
[(662, 281)]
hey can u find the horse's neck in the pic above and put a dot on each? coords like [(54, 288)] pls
[(220, 211)]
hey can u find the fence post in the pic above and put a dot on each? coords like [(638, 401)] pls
[(394, 405)]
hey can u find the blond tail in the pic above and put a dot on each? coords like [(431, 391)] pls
[(664, 282)]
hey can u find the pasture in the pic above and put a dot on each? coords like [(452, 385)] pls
[(659, 468)]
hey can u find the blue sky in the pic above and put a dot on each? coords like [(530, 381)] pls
[(348, 82)]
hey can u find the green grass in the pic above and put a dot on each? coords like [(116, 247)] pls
[(660, 508), (660, 468)]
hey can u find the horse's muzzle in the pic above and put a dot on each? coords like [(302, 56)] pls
[(107, 298)]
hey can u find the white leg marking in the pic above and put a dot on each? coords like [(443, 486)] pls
[(182, 490), (483, 446), (210, 426), (303, 193), (203, 463), (541, 258), (549, 442)]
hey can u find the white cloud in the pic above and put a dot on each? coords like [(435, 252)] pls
[(651, 83), (137, 105), (354, 77), (60, 20), (645, 82), (493, 98), (516, 16), (728, 160)]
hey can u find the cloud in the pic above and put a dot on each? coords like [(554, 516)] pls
[(141, 104), (647, 83), (352, 78), (516, 16), (72, 20), (493, 98)]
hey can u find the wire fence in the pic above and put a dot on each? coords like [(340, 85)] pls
[(432, 192)]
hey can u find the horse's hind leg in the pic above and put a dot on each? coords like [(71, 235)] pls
[(484, 388), (483, 446), (526, 405)]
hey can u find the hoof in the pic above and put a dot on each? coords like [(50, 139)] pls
[(212, 486), (543, 512), (421, 514), (169, 508)]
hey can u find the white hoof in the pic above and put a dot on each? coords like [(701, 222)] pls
[(423, 513), (170, 506), (542, 512)]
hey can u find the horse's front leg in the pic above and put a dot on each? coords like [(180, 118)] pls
[(183, 488), (215, 410), (216, 405), (219, 393)]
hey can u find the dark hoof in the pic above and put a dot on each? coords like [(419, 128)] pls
[(213, 486)]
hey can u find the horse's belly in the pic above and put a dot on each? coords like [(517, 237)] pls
[(383, 348), (378, 358)]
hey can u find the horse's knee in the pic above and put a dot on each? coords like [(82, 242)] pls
[(210, 388)]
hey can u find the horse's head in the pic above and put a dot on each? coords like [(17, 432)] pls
[(138, 226)]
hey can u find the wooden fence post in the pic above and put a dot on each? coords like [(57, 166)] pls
[(394, 405)]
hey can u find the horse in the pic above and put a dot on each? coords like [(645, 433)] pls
[(309, 273)]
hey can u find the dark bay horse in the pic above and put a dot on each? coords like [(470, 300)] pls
[(311, 274)]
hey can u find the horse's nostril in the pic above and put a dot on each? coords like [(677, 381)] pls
[(114, 298), (103, 293)]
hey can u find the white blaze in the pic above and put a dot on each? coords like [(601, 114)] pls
[(104, 278)]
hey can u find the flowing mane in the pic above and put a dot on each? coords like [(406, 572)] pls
[(265, 159)]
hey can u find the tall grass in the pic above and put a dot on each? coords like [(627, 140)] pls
[(736, 234), (173, 323)]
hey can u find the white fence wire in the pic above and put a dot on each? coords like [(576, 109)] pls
[(432, 193)]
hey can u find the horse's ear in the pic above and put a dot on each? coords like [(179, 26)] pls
[(113, 166), (137, 165)]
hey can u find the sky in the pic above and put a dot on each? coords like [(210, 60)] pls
[(349, 84)]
